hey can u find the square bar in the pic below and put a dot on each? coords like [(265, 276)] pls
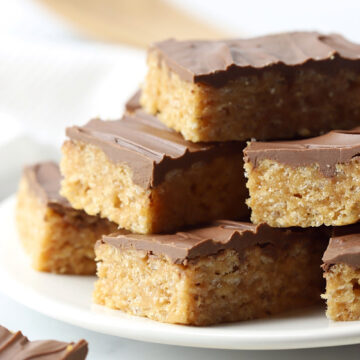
[(306, 182), (342, 274), (147, 178), (272, 87), (228, 271), (58, 238)]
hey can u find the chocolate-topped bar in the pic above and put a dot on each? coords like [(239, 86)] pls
[(342, 273), (58, 238), (271, 87), (44, 180), (344, 247), (226, 271), (16, 346), (206, 61), (335, 147), (147, 178), (305, 182), (147, 146)]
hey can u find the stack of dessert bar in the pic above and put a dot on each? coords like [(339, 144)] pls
[(170, 176)]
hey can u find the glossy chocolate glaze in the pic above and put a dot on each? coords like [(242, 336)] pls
[(148, 147), (133, 103), (344, 247), (335, 147), (44, 179), (194, 243), (216, 62), (16, 346)]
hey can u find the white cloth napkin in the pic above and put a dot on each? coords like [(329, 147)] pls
[(45, 86), (51, 78)]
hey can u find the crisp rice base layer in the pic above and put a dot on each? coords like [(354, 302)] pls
[(263, 106), (213, 289), (342, 293), (284, 196), (204, 192)]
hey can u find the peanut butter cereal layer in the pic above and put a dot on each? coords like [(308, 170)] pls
[(342, 274), (227, 271), (279, 86), (58, 238), (306, 182), (16, 346)]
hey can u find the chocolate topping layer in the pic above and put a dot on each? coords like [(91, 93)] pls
[(15, 346), (183, 246), (44, 180), (215, 62), (147, 146), (335, 147), (134, 102), (344, 247)]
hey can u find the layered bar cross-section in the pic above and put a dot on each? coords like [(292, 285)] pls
[(228, 271), (147, 178), (279, 86), (58, 238), (342, 274), (16, 346), (307, 182)]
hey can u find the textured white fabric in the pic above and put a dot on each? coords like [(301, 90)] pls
[(50, 79), (47, 86)]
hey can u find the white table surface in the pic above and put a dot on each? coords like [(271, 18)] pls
[(104, 347)]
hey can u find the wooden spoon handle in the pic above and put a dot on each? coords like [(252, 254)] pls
[(135, 22)]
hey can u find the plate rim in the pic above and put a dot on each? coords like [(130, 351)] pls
[(181, 335)]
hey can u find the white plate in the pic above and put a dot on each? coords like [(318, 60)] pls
[(68, 298)]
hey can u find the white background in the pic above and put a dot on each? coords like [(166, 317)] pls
[(51, 77)]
